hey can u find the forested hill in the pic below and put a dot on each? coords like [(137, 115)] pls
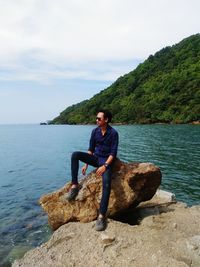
[(164, 88)]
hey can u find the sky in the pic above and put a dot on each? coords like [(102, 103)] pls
[(57, 53)]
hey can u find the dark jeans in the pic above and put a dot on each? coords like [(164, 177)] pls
[(106, 177)]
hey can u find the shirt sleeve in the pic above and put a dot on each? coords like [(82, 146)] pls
[(114, 145), (92, 142)]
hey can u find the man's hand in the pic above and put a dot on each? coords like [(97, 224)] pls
[(84, 169), (101, 170)]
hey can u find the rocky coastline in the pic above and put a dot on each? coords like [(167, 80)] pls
[(146, 225), (160, 232)]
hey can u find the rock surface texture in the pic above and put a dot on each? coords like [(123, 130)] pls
[(167, 234), (132, 183)]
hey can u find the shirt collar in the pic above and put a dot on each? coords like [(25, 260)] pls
[(108, 129)]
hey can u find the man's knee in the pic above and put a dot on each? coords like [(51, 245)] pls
[(75, 155)]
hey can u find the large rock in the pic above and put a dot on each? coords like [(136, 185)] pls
[(132, 183)]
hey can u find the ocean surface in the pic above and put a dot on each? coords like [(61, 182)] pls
[(35, 160)]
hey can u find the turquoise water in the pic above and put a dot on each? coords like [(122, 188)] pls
[(35, 160)]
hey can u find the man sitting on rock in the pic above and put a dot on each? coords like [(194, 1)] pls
[(101, 154)]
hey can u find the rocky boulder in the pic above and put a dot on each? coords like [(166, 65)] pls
[(132, 183)]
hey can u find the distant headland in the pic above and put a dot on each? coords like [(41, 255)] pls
[(165, 88)]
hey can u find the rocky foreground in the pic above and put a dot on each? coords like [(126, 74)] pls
[(159, 232)]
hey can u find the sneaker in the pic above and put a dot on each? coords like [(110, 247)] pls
[(73, 192), (100, 224)]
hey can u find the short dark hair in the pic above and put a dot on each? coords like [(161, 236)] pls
[(107, 114)]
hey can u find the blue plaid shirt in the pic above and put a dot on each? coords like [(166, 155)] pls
[(105, 145)]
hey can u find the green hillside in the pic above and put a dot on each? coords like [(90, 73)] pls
[(164, 88)]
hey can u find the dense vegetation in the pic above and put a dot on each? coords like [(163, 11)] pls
[(164, 88)]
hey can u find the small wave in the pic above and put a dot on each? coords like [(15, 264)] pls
[(37, 232), (17, 170), (7, 185)]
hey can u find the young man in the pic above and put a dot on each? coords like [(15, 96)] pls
[(101, 154)]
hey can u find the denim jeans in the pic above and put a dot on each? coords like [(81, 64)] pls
[(106, 177)]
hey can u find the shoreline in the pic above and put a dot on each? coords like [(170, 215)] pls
[(121, 123)]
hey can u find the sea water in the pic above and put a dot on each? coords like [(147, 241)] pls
[(35, 160)]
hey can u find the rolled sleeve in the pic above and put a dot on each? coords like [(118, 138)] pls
[(114, 145), (92, 142)]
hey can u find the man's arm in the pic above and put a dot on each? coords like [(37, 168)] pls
[(102, 169), (109, 160), (90, 150)]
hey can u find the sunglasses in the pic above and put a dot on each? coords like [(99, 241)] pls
[(98, 119)]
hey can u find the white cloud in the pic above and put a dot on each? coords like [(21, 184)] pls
[(85, 33)]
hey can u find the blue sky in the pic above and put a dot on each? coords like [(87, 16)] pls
[(57, 53)]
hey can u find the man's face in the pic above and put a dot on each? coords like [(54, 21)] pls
[(100, 119)]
